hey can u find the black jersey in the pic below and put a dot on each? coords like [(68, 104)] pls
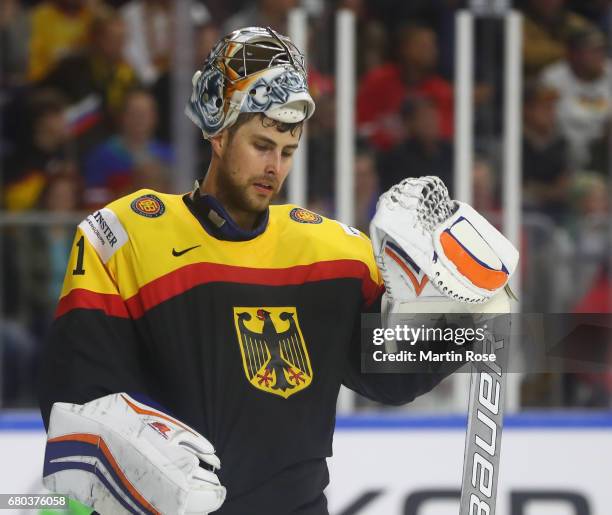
[(247, 337)]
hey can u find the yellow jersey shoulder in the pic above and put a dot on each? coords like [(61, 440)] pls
[(140, 215), (146, 205), (331, 238)]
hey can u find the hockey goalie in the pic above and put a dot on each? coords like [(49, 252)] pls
[(120, 454)]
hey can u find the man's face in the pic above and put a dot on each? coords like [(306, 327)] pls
[(366, 177), (589, 62), (596, 202), (541, 115), (139, 117), (70, 5), (424, 123), (548, 9), (63, 195), (254, 163), (111, 40), (53, 129), (420, 49)]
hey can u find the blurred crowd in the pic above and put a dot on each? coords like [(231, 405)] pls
[(86, 97)]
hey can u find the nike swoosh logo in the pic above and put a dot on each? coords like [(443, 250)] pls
[(177, 253)]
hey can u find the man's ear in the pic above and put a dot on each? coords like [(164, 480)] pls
[(219, 143)]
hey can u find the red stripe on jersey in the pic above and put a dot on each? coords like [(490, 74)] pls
[(190, 276), (79, 298), (187, 277)]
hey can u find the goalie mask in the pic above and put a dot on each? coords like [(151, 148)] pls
[(252, 70)]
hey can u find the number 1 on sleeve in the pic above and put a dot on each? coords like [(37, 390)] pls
[(79, 270)]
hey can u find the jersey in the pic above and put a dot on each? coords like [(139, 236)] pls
[(247, 337), (583, 108)]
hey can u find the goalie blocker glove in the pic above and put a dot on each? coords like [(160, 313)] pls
[(118, 455), (431, 248)]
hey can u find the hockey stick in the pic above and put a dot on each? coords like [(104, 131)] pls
[(485, 422)]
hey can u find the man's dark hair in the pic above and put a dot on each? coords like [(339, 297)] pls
[(364, 148), (580, 39), (102, 18), (407, 30), (135, 91), (243, 118), (44, 102)]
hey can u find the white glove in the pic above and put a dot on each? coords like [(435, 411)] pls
[(429, 247), (118, 455)]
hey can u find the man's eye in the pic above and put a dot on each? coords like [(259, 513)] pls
[(259, 146), (287, 154)]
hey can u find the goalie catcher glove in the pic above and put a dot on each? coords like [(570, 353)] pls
[(118, 455), (427, 245)]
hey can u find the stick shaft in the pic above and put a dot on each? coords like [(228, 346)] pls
[(485, 423)]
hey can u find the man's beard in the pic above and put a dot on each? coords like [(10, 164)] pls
[(236, 196)]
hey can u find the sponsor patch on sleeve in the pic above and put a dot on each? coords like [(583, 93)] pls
[(104, 232)]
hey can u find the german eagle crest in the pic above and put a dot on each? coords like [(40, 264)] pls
[(274, 354)]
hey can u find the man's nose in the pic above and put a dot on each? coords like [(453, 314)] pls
[(273, 162)]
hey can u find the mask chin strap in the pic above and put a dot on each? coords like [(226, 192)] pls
[(196, 189), (217, 221)]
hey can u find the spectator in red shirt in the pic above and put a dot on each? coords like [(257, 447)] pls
[(383, 90), (423, 151)]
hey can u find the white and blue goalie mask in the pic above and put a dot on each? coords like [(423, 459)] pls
[(252, 70)]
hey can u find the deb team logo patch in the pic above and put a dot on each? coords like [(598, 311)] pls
[(148, 205), (274, 354), (304, 216)]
